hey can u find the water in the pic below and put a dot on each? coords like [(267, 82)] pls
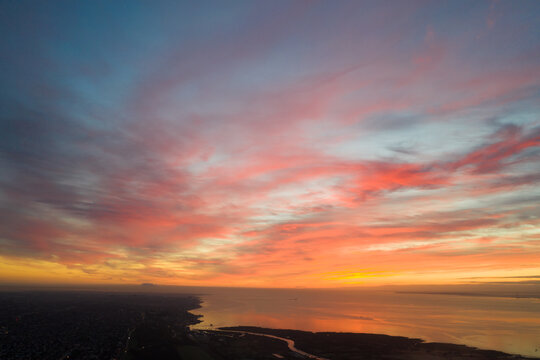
[(506, 324)]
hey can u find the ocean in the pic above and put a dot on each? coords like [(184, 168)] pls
[(507, 324)]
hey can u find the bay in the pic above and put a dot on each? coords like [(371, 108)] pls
[(506, 324)]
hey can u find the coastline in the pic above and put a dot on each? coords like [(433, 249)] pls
[(341, 346), (290, 343), (499, 323)]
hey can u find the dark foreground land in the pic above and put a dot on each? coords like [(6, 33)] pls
[(90, 325), (98, 325), (352, 346)]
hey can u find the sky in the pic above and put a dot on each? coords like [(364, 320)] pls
[(269, 143)]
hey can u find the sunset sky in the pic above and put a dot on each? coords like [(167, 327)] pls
[(269, 143)]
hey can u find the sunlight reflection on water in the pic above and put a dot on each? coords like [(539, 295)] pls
[(506, 324)]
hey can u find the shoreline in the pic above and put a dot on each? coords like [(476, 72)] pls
[(343, 345), (286, 334), (479, 330), (290, 343)]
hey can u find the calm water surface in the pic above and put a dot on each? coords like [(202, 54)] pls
[(506, 324)]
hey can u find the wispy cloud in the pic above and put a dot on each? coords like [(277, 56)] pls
[(269, 143)]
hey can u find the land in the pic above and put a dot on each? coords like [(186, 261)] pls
[(91, 325), (356, 346), (144, 326), (474, 294)]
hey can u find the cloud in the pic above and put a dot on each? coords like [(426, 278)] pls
[(249, 150)]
